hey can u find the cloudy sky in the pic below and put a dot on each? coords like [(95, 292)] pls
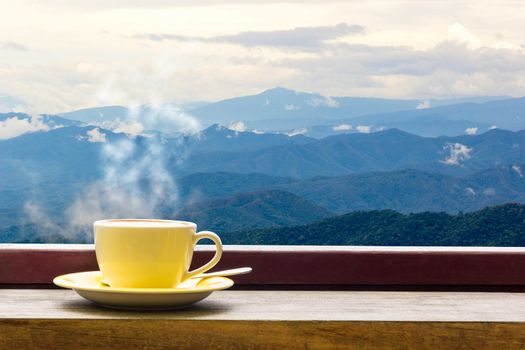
[(60, 55)]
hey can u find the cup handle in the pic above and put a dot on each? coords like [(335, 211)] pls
[(216, 257)]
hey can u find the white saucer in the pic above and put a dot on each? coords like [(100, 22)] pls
[(89, 285)]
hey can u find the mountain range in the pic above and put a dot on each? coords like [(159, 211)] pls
[(407, 191), (312, 114), (381, 151), (67, 150), (218, 138), (281, 109), (388, 169), (273, 160)]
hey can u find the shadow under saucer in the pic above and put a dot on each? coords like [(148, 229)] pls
[(196, 310)]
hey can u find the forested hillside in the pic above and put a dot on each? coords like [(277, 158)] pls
[(493, 226)]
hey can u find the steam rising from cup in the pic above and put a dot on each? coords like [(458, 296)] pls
[(137, 162), (136, 181)]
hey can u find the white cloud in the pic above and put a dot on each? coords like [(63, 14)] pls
[(325, 101), (365, 129), (389, 60), (506, 45), (238, 126), (470, 191), (517, 169), (423, 105), (12, 46), (95, 135), (445, 70), (471, 131), (458, 153), (299, 131), (291, 107), (300, 37), (489, 191), (460, 34), (342, 127), (450, 68), (130, 128), (13, 127)]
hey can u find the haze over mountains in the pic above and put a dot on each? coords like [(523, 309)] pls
[(284, 110), (277, 159)]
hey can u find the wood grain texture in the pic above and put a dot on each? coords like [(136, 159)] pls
[(60, 319), (284, 306), (182, 334)]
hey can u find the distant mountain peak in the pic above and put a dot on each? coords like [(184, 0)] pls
[(496, 130), (395, 132), (278, 89), (214, 130), (234, 129), (217, 127), (499, 133), (219, 131)]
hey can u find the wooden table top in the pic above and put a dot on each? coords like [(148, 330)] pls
[(285, 305), (60, 319)]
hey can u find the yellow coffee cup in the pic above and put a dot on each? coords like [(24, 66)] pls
[(136, 253)]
